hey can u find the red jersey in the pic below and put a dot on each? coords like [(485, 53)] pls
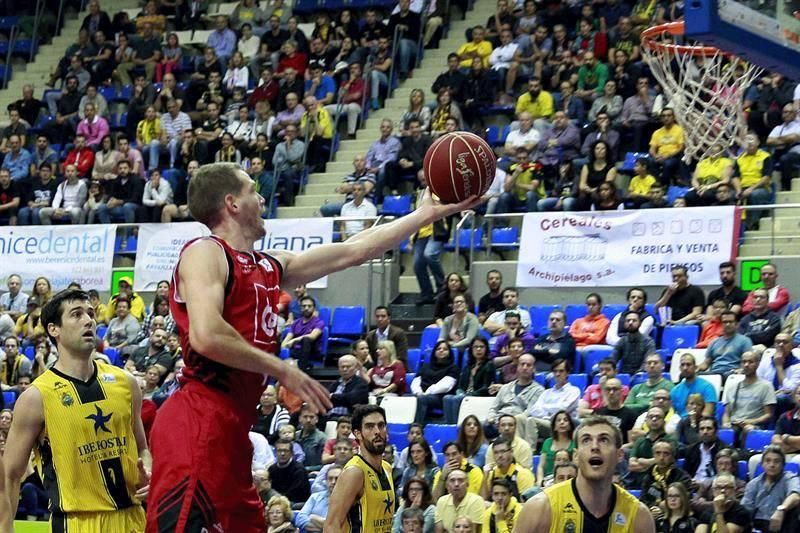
[(252, 291)]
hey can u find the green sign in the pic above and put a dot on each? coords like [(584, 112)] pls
[(751, 274), (115, 275)]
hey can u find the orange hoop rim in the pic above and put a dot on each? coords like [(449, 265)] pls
[(675, 29)]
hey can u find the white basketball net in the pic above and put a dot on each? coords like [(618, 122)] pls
[(706, 95)]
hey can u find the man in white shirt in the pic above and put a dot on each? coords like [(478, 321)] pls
[(780, 365), (785, 139), (359, 206), (492, 195), (262, 452), (501, 57), (561, 396), (68, 201), (14, 302), (495, 324), (526, 136)]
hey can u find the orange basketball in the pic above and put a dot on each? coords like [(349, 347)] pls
[(459, 165)]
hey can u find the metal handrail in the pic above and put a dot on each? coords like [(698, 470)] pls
[(338, 113), (466, 216), (59, 17), (364, 94), (37, 18), (12, 37), (275, 177), (423, 19), (398, 32)]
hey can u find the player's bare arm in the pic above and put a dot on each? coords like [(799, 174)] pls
[(368, 244), (25, 429), (145, 461), (6, 520), (644, 520), (203, 290), (535, 516), (348, 489)]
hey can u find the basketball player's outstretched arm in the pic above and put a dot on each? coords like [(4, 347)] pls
[(535, 516), (348, 489), (5, 507), (203, 290), (368, 244), (25, 429)]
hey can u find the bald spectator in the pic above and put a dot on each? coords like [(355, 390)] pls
[(778, 296), (761, 324), (526, 135), (349, 390)]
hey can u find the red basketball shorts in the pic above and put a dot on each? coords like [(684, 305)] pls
[(202, 457)]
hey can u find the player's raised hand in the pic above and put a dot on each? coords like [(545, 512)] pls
[(311, 391), (143, 485), (440, 210)]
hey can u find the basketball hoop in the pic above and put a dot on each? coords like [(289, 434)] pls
[(705, 87)]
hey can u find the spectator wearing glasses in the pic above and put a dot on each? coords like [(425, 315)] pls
[(779, 366)]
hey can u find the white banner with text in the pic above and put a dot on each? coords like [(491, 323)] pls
[(625, 248), (62, 254), (160, 244)]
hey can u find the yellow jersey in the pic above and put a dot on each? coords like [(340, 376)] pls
[(474, 477), (374, 511), (710, 169), (667, 142), (149, 130), (483, 49), (751, 168), (640, 186), (568, 515), (88, 455), (540, 107), (521, 479)]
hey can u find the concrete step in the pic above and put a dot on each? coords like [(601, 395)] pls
[(796, 185), (316, 200), (408, 281), (784, 224), (298, 212), (332, 178), (320, 188), (342, 167), (764, 250)]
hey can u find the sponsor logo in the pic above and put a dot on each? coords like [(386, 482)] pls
[(108, 378), (66, 399), (100, 420), (619, 519)]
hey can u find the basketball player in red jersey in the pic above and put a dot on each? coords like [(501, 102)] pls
[(223, 299)]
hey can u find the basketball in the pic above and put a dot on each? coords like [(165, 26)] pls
[(459, 165)]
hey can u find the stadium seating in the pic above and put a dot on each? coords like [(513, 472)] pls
[(475, 405), (438, 435), (539, 315), (592, 355), (400, 409), (676, 337), (757, 440), (413, 359), (675, 366), (574, 312), (347, 323)]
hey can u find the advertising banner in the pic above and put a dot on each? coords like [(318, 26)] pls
[(62, 254), (160, 244), (625, 248)]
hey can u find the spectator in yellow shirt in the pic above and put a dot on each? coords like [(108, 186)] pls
[(752, 177), (478, 47), (317, 123), (537, 102), (711, 172), (666, 148), (148, 134), (640, 185), (502, 514)]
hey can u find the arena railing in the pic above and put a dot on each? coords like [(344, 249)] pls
[(398, 34), (12, 37), (773, 237)]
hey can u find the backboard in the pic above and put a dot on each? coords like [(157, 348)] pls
[(764, 32)]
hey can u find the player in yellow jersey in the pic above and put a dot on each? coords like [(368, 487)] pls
[(363, 500), (590, 503), (82, 420)]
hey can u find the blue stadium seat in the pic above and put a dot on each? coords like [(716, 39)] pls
[(125, 93), (625, 379), (741, 470), (172, 175), (540, 378), (397, 206), (24, 47), (793, 468), (109, 93), (9, 399), (574, 312), (113, 356), (758, 439), (539, 316), (726, 436), (674, 192), (325, 315), (612, 310), (347, 323), (6, 23), (505, 238), (413, 360), (630, 160), (118, 122), (29, 352), (675, 337), (397, 435), (324, 341), (440, 459), (5, 73), (651, 308), (593, 356), (101, 330), (635, 493), (438, 435), (493, 136), (464, 240), (429, 337)]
